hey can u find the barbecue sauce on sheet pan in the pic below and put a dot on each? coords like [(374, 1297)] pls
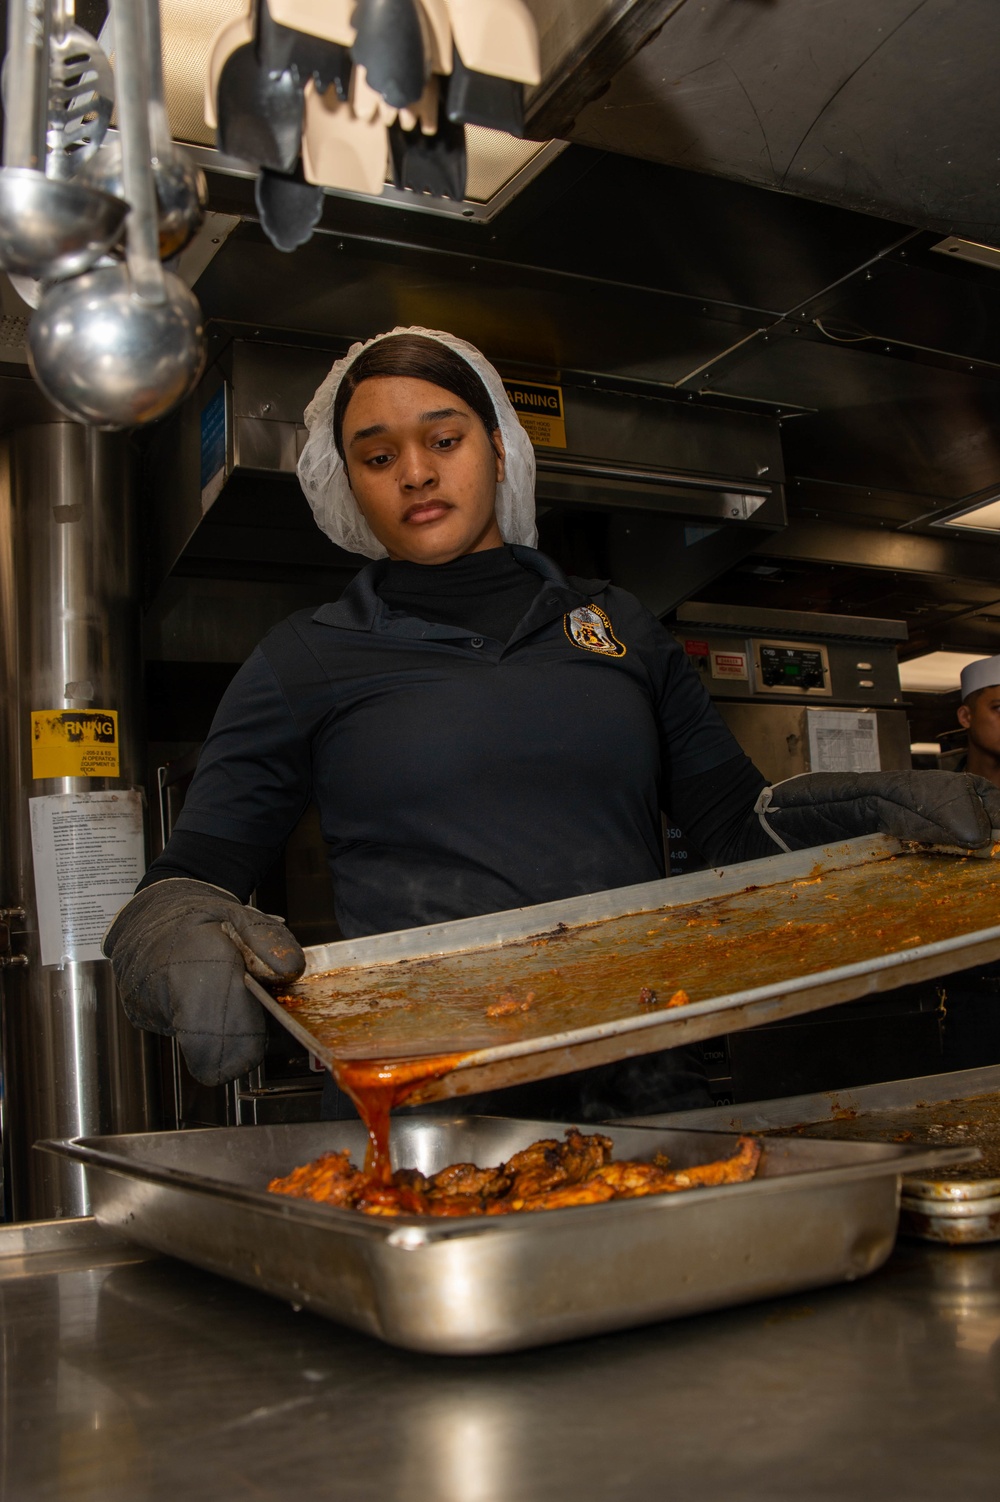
[(629, 967)]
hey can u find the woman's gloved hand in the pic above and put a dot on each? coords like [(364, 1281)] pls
[(179, 950), (935, 808)]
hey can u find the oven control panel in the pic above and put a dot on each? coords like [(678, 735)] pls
[(787, 669), (792, 668)]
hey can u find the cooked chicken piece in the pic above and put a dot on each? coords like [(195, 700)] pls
[(548, 1175), (548, 1164), (376, 1198), (411, 1178), (590, 1192), (456, 1204), (385, 1207), (634, 1178), (331, 1180), (738, 1169), (467, 1179)]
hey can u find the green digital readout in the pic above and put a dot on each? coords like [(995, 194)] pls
[(794, 667)]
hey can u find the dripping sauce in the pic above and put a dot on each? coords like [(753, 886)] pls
[(377, 1086)]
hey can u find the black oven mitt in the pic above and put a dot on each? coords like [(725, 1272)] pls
[(934, 808), (179, 950)]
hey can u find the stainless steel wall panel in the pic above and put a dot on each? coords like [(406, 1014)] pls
[(71, 640), (776, 737)]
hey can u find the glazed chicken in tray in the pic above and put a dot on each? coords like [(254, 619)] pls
[(548, 1175)]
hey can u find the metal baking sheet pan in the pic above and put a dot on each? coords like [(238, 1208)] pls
[(540, 991), (816, 1213), (955, 1204)]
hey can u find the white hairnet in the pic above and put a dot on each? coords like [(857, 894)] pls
[(324, 478)]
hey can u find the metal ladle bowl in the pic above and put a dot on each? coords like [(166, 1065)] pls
[(54, 229), (181, 192), (111, 358), (181, 195), (121, 345)]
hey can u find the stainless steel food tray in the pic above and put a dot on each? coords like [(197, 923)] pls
[(957, 1205), (748, 944), (816, 1213)]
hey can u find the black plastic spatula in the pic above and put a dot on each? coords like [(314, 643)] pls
[(324, 62), (259, 113), (280, 49), (390, 47), (289, 207), (430, 164), (482, 99)]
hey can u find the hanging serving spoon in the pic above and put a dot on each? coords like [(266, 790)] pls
[(428, 148), (390, 47), (484, 99), (181, 191), (434, 164), (48, 228), (257, 107), (260, 117), (311, 58), (289, 207), (81, 94), (121, 345)]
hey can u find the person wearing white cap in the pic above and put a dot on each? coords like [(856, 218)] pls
[(979, 713), (477, 730)]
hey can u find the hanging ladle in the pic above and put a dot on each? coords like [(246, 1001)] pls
[(48, 228), (181, 192), (122, 345)]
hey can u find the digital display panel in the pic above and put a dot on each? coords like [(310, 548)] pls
[(792, 667)]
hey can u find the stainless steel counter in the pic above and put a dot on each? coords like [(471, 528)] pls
[(133, 1378)]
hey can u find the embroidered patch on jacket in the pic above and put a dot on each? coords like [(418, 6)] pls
[(588, 627)]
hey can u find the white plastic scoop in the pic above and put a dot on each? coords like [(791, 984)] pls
[(496, 36), (339, 150)]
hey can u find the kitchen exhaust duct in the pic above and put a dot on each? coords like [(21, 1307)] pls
[(686, 491)]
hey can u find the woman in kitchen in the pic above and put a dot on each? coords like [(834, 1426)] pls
[(478, 731)]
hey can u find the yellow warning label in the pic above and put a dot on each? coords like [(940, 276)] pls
[(540, 412), (74, 743)]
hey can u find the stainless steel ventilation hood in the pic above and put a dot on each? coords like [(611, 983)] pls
[(672, 479), (882, 106)]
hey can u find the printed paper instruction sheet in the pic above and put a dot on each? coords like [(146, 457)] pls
[(842, 742), (89, 853)]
